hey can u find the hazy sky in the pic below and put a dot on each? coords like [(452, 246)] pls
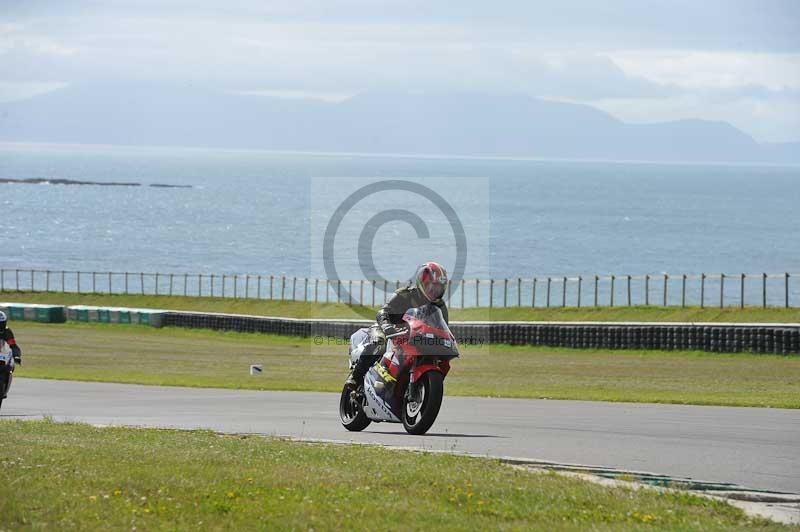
[(640, 60)]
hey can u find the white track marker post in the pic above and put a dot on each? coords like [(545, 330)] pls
[(256, 369)]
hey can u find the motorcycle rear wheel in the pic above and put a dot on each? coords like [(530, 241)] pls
[(351, 412), (417, 419)]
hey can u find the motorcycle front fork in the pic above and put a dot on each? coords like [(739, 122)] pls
[(411, 390)]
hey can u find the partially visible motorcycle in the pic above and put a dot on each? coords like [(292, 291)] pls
[(407, 384), (6, 370)]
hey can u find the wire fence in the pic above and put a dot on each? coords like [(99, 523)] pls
[(703, 290)]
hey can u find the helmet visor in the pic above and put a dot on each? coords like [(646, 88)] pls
[(433, 290)]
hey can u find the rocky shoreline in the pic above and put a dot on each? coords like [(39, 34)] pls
[(46, 181)]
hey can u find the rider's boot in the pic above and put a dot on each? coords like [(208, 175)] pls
[(356, 377)]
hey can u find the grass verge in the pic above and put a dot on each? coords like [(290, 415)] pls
[(299, 309), (202, 358), (78, 477)]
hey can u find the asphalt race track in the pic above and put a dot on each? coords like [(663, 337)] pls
[(754, 447)]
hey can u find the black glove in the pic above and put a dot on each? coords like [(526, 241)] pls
[(388, 329), (18, 360)]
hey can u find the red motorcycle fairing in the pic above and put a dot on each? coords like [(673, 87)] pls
[(388, 393), (428, 346), (442, 366)]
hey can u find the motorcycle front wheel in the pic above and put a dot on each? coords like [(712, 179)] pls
[(351, 412), (420, 410)]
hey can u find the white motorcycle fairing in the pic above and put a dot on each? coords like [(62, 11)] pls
[(377, 409), (375, 386)]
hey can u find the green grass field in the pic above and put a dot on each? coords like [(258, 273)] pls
[(78, 477), (298, 309), (186, 357)]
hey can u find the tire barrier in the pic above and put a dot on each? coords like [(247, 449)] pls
[(33, 312), (781, 339), (339, 329), (134, 316)]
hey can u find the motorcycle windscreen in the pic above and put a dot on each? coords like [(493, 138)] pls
[(429, 331)]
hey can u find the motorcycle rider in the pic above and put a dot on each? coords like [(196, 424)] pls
[(8, 336), (429, 285)]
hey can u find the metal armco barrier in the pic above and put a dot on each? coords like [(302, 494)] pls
[(781, 339)]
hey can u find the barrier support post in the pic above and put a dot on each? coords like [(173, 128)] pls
[(786, 290), (683, 290), (611, 299), (629, 290), (549, 282), (702, 290), (741, 291)]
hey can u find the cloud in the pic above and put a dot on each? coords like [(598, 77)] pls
[(11, 91), (331, 97), (16, 39), (738, 57), (703, 70), (741, 25)]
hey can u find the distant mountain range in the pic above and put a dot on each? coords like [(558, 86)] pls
[(373, 122)]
